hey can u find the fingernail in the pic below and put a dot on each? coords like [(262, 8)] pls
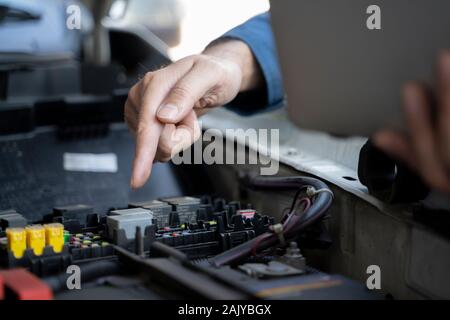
[(133, 182), (167, 111)]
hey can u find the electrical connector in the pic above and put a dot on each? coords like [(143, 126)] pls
[(54, 236), (17, 241), (161, 210), (36, 238), (11, 219), (186, 207), (129, 222)]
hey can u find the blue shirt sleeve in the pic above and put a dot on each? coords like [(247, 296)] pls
[(257, 34)]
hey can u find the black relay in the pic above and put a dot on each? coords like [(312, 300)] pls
[(186, 207), (11, 219), (161, 210)]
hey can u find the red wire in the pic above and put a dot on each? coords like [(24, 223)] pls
[(307, 202), (307, 206)]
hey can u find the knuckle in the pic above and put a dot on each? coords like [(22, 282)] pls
[(148, 77), (131, 93), (212, 98), (130, 102), (130, 124), (141, 128), (181, 93), (199, 56), (127, 116), (165, 150), (132, 97), (204, 102), (162, 157)]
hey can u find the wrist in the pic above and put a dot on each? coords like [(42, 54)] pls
[(238, 52)]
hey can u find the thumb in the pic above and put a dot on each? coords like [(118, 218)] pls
[(185, 94)]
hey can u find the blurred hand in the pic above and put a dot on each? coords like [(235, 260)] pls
[(426, 147), (162, 108)]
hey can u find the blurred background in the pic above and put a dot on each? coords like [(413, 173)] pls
[(205, 20), (72, 83), (187, 26)]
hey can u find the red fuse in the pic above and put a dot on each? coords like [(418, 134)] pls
[(25, 285)]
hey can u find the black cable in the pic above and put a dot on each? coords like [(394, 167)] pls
[(320, 204), (139, 263), (160, 249), (294, 201), (88, 272)]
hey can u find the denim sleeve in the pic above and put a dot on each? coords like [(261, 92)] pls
[(257, 34)]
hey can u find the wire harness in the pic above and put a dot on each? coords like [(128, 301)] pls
[(303, 212)]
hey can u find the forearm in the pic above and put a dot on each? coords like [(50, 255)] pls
[(238, 52)]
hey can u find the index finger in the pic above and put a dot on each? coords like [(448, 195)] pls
[(156, 87), (147, 136)]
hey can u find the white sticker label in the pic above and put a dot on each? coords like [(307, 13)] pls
[(90, 162)]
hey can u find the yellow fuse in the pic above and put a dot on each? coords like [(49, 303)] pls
[(54, 236), (17, 241), (36, 238)]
